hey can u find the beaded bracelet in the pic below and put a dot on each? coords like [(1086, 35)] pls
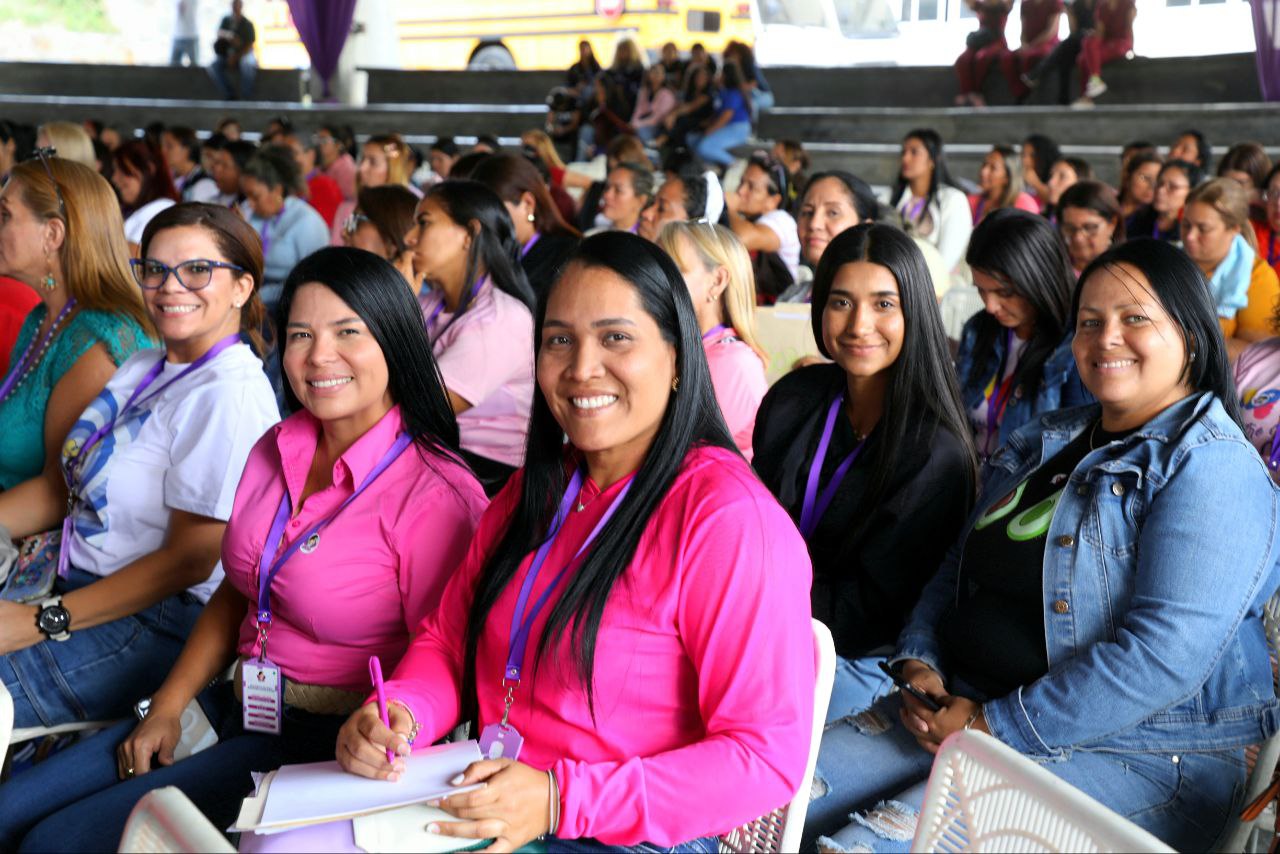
[(413, 722)]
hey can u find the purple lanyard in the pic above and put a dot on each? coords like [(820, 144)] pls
[(714, 333), (816, 505), (72, 468), (1273, 461), (18, 370), (266, 233), (435, 312), (269, 565), (521, 624), (982, 206), (524, 250), (635, 228), (914, 211), (999, 397), (1272, 256)]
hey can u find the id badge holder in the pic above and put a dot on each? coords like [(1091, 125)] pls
[(501, 740), (263, 692)]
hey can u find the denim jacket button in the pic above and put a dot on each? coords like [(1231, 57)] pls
[(1066, 541), (1061, 606), (1117, 489)]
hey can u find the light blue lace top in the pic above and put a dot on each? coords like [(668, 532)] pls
[(22, 413)]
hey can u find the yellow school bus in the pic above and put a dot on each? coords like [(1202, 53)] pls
[(523, 34)]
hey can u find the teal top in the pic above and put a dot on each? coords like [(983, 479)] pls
[(22, 413)]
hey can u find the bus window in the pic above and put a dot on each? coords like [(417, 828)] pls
[(701, 21), (796, 13), (865, 18)]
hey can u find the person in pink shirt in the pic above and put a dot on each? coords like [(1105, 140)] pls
[(373, 511), (717, 271), (1000, 185), (1257, 373), (479, 314), (665, 691)]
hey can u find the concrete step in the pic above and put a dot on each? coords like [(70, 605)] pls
[(393, 86), (133, 81)]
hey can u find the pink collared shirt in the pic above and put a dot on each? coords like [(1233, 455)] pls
[(704, 664), (737, 374), (380, 566), (486, 358)]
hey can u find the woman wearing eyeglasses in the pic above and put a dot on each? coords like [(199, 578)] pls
[(289, 227), (64, 239), (479, 315), (1090, 221), (149, 471)]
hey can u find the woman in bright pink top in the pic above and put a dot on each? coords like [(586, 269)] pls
[(681, 707), (717, 272), (1000, 185), (479, 314), (370, 511)]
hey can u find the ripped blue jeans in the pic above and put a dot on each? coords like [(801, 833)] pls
[(871, 775)]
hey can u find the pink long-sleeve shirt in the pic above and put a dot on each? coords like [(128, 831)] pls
[(737, 375), (704, 664), (380, 566)]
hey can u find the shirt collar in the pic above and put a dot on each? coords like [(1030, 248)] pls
[(300, 435)]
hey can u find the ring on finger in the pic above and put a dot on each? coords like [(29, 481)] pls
[(128, 772)]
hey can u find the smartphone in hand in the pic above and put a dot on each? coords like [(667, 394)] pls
[(930, 703)]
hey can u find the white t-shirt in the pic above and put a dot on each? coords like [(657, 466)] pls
[(137, 221), (184, 449), (781, 223), (186, 24)]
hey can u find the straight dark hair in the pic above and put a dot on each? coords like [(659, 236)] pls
[(494, 249), (692, 419), (932, 142), (1046, 152), (1023, 251), (375, 291), (861, 195), (510, 176), (1181, 289), (1097, 197), (1204, 152), (921, 394)]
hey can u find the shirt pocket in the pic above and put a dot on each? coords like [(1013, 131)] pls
[(1119, 508)]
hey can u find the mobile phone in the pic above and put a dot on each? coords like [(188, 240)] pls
[(930, 703), (197, 731)]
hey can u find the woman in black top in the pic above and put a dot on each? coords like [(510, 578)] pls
[(545, 239), (895, 473)]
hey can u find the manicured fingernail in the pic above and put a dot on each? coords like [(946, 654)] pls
[(402, 749), (433, 828), (924, 727), (434, 803), (457, 781), (393, 776)]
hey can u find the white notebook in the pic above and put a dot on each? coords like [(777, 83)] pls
[(321, 791)]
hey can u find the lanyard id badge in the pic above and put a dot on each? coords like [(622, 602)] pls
[(502, 740), (262, 695)]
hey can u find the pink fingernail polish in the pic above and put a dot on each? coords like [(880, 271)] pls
[(433, 828)]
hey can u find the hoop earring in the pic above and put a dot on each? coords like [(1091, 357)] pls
[(675, 384)]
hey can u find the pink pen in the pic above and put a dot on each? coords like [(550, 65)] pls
[(375, 673)]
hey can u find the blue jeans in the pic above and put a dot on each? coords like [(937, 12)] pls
[(100, 672), (184, 47), (859, 683), (871, 775), (248, 68), (74, 801), (714, 147)]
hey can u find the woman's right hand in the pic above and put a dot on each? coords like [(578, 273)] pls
[(915, 715), (156, 735), (364, 740)]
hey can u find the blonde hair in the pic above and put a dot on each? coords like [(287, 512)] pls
[(717, 246), (540, 142), (399, 168), (1012, 163), (71, 142), (1231, 201), (94, 255)]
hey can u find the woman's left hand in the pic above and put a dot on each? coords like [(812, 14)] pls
[(512, 809), (18, 627), (952, 717)]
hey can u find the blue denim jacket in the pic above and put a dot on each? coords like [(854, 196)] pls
[(1159, 558), (1060, 384)]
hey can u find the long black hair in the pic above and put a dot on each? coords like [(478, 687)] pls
[(376, 293), (692, 418), (1180, 287), (1046, 153), (861, 196), (932, 142), (494, 248), (1023, 251), (922, 394)]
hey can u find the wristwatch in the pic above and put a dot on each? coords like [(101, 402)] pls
[(53, 619)]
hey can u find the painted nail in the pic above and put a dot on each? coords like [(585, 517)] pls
[(457, 781), (434, 803), (433, 828)]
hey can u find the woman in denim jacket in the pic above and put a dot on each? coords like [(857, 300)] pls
[(1102, 611), (1015, 360)]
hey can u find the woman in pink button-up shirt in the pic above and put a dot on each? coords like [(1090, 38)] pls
[(360, 375), (667, 686)]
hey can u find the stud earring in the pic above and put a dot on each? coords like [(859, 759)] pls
[(675, 384), (531, 218)]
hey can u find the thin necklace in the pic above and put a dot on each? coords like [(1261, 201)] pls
[(34, 354)]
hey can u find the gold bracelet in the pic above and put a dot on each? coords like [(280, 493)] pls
[(413, 721)]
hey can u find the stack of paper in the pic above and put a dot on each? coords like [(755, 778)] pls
[(298, 796)]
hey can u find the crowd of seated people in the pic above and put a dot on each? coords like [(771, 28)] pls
[(277, 407)]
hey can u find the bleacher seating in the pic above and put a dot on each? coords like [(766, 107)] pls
[(62, 79)]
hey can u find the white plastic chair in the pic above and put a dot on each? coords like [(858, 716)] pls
[(1244, 835), (985, 796), (780, 830), (6, 720), (166, 820)]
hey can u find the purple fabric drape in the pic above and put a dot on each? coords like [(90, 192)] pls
[(1266, 33), (323, 26)]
